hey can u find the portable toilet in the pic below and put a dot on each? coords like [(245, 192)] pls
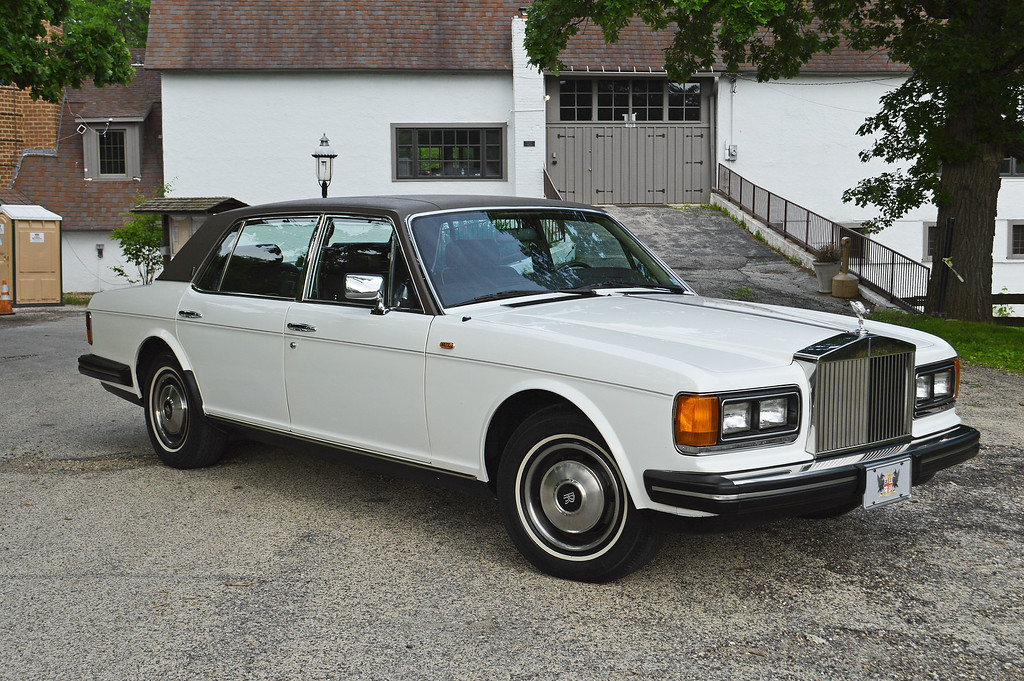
[(30, 254)]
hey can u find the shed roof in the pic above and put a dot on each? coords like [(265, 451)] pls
[(184, 204), (27, 212)]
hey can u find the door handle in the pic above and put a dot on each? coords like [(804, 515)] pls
[(190, 314), (305, 328)]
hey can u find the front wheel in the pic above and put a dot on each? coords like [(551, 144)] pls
[(178, 429), (565, 505)]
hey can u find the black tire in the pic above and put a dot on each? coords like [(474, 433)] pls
[(565, 505), (178, 429)]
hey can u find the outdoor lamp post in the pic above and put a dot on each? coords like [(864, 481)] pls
[(324, 156)]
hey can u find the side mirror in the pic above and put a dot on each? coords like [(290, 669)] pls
[(366, 288)]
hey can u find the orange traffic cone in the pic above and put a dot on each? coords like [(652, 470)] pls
[(5, 299)]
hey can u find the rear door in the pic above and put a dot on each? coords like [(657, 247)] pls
[(231, 323)]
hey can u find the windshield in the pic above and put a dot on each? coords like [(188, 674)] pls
[(480, 255)]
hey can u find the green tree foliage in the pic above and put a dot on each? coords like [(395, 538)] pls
[(946, 129), (47, 45), (140, 239), (130, 18)]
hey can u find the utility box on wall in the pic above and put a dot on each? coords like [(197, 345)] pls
[(30, 254)]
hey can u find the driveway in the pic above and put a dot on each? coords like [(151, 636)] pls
[(721, 260), (282, 565)]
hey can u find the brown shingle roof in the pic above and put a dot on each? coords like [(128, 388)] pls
[(13, 197), (118, 101), (187, 204), (317, 34), (55, 180), (381, 34), (641, 49)]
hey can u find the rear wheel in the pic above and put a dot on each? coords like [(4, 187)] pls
[(565, 505), (178, 429)]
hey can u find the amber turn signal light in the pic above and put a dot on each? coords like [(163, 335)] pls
[(696, 420)]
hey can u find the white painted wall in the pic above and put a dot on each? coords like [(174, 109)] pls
[(81, 267), (798, 139), (250, 135)]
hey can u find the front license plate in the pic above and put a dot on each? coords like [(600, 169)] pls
[(887, 484)]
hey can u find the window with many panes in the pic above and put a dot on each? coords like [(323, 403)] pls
[(1012, 167), (427, 153), (1016, 241), (629, 99), (112, 152), (576, 99), (930, 234)]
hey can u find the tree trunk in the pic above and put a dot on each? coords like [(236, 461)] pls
[(971, 188)]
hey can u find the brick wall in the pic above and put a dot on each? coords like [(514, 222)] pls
[(24, 124)]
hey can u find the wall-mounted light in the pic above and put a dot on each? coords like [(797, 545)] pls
[(99, 251), (324, 157)]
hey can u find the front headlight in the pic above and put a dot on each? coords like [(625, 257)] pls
[(936, 387), (749, 418)]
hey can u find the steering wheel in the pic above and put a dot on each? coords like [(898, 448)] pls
[(570, 264)]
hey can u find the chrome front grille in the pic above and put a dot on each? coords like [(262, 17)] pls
[(862, 392)]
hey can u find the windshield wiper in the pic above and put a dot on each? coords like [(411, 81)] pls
[(570, 293), (498, 295), (658, 288), (622, 283)]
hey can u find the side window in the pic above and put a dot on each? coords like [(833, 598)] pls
[(267, 258), (360, 246), (210, 279)]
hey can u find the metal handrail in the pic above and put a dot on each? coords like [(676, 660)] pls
[(901, 280)]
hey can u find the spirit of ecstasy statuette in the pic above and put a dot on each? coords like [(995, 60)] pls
[(860, 311)]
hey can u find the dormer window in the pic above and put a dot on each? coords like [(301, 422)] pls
[(111, 149), (112, 152)]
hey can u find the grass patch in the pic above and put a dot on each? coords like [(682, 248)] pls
[(742, 293), (980, 343), (77, 298)]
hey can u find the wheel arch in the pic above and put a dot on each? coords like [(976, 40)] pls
[(524, 403), (150, 348)]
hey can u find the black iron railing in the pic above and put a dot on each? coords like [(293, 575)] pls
[(899, 279)]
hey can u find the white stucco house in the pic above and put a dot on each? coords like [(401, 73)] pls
[(437, 97)]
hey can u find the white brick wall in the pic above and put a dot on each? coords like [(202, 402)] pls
[(527, 118)]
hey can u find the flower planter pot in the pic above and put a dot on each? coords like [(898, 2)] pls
[(825, 271)]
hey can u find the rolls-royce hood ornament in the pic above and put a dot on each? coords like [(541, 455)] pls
[(860, 311)]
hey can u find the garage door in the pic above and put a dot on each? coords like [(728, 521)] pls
[(617, 138), (630, 163)]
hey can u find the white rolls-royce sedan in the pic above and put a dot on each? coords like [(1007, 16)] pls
[(532, 349)]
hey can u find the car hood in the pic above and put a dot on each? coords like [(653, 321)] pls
[(708, 336)]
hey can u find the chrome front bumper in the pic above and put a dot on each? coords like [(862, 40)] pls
[(827, 483)]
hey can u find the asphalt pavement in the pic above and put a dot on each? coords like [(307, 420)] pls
[(283, 565)]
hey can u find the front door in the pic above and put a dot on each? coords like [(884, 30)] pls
[(355, 377)]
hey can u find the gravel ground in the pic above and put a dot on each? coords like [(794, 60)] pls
[(282, 565)]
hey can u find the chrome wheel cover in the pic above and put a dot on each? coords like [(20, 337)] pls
[(168, 408), (570, 498)]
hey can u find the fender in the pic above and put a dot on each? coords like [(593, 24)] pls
[(169, 339), (589, 409)]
